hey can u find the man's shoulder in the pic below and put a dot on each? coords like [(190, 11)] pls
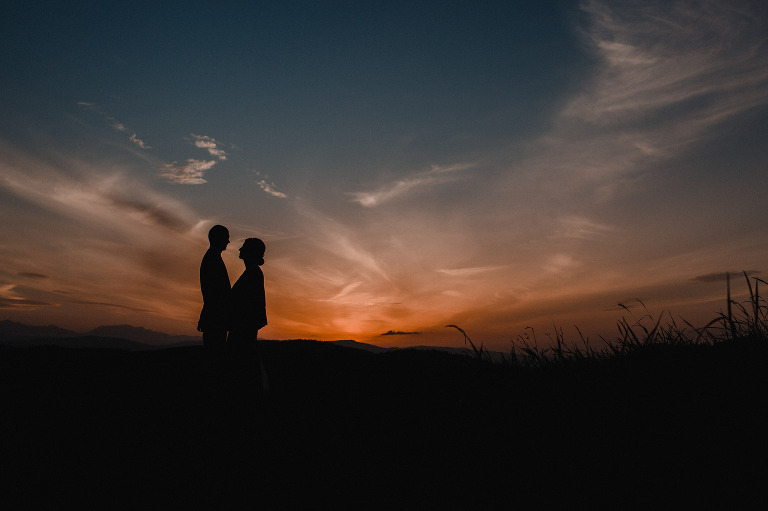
[(212, 256)]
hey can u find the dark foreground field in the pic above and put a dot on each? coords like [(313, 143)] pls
[(680, 427)]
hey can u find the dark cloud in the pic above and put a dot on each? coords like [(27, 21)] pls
[(30, 275), (21, 303), (107, 304), (151, 212), (392, 332), (721, 276), (163, 264)]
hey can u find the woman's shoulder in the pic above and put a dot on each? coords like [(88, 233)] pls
[(251, 276)]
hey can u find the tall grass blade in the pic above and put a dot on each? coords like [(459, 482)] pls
[(480, 353), (730, 309), (650, 336)]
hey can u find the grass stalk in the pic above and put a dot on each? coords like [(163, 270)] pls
[(747, 320)]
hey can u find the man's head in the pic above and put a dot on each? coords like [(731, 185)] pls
[(219, 237), (252, 251)]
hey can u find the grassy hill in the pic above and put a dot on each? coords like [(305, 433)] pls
[(682, 424)]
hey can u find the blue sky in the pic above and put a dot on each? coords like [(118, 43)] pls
[(409, 164)]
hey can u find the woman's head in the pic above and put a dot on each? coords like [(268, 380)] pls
[(253, 251)]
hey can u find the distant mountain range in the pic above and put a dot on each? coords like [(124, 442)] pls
[(123, 337), (134, 338), (12, 329), (144, 336), (378, 349)]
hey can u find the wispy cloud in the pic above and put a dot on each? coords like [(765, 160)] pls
[(469, 272), (579, 227), (723, 276), (559, 263), (270, 189), (22, 303), (139, 142), (342, 241), (110, 236), (191, 171), (111, 305), (700, 58), (94, 196), (434, 176), (9, 299), (210, 145), (152, 213), (666, 77), (345, 291), (32, 275), (116, 125), (188, 173), (355, 253)]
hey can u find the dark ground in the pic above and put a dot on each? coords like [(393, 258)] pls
[(682, 427)]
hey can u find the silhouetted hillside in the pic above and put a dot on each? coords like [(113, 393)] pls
[(415, 429), (76, 341), (134, 338), (144, 336), (122, 337), (348, 343), (14, 330)]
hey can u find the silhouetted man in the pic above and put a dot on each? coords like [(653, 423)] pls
[(214, 283)]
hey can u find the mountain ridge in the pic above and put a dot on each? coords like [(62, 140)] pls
[(133, 338), (124, 337)]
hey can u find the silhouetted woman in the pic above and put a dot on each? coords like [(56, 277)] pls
[(249, 307)]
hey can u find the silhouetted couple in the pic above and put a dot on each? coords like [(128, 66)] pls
[(231, 316)]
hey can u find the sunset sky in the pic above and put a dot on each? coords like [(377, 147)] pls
[(409, 165)]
